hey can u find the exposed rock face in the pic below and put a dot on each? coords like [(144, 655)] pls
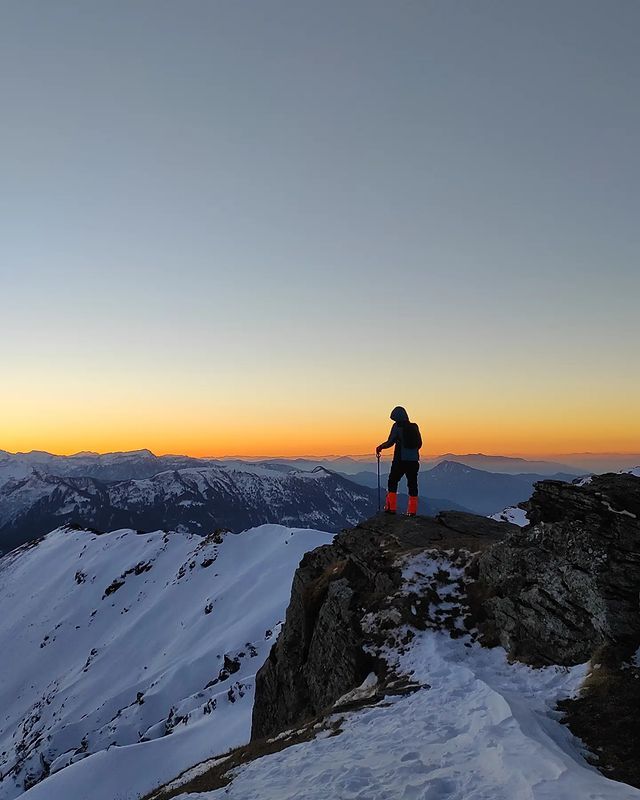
[(319, 655), (570, 581)]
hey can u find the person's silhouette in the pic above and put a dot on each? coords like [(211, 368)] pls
[(405, 435)]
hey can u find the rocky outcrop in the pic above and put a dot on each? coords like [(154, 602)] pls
[(320, 654), (568, 583), (565, 589)]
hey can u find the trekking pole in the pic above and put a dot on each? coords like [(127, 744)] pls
[(378, 458)]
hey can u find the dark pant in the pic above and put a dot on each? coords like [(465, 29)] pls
[(401, 468)]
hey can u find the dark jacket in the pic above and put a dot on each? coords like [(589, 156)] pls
[(400, 453)]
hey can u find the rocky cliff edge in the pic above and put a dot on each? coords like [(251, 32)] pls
[(563, 590)]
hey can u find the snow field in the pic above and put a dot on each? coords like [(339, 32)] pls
[(131, 657)]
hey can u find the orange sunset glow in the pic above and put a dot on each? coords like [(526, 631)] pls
[(274, 430)]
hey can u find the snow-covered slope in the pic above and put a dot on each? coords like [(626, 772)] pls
[(477, 728), (134, 655), (130, 657), (198, 500), (481, 729)]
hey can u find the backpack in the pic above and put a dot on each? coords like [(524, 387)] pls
[(411, 439)]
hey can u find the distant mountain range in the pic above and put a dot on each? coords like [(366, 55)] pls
[(597, 463), (145, 464), (483, 492), (107, 467), (507, 464), (40, 491), (570, 463), (351, 465), (195, 500)]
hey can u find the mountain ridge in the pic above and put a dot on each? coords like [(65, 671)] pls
[(142, 463), (194, 499)]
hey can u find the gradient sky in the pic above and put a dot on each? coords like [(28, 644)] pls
[(254, 227)]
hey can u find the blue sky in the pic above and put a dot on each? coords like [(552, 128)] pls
[(344, 204)]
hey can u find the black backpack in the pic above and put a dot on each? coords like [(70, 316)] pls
[(411, 439)]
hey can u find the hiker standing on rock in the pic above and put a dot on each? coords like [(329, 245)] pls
[(405, 435)]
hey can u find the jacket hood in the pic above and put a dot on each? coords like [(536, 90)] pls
[(399, 414)]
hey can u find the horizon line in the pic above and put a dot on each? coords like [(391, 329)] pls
[(328, 456)]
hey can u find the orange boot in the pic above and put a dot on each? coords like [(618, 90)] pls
[(391, 503), (412, 508)]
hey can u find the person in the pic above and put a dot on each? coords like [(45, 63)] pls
[(405, 435)]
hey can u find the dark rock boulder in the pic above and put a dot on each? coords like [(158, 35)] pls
[(319, 655), (569, 582), (605, 716)]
